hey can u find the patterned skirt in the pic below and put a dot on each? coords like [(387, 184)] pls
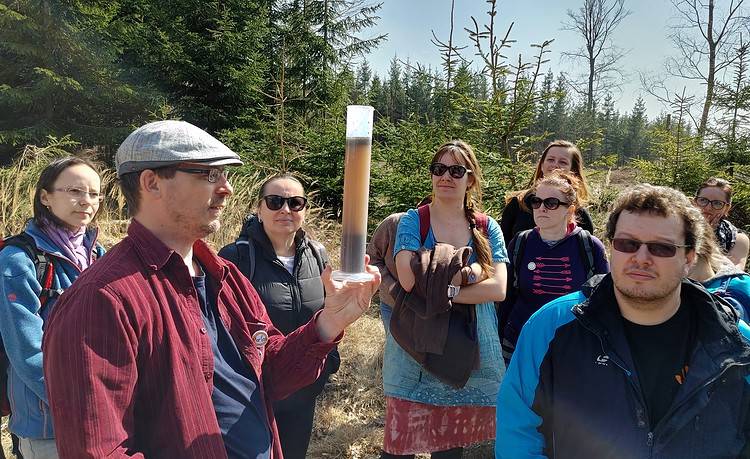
[(414, 428)]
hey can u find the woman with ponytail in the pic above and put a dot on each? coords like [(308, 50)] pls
[(423, 413)]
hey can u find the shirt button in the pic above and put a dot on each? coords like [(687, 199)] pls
[(203, 330)]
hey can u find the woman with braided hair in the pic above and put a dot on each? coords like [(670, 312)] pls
[(423, 413)]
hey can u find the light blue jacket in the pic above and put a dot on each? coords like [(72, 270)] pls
[(404, 378), (21, 327)]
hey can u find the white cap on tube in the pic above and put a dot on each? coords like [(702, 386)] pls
[(359, 120)]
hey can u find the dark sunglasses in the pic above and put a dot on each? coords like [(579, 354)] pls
[(549, 203), (276, 202), (717, 204), (457, 171), (657, 249)]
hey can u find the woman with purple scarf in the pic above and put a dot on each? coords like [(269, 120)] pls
[(66, 202)]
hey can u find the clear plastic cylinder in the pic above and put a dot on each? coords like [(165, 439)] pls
[(356, 193)]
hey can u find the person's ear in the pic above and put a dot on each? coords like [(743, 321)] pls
[(690, 259), (151, 184), (44, 197)]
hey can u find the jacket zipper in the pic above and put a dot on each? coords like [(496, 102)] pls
[(294, 290), (636, 389)]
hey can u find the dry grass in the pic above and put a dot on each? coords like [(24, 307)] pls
[(350, 414)]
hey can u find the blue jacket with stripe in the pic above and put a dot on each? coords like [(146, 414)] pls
[(572, 391)]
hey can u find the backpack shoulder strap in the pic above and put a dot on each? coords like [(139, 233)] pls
[(518, 248), (424, 222), (482, 221), (585, 247), (45, 271), (245, 257)]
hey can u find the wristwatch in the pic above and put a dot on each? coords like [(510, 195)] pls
[(453, 291)]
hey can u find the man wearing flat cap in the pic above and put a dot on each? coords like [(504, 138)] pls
[(162, 349)]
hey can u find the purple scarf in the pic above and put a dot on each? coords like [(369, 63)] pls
[(70, 244)]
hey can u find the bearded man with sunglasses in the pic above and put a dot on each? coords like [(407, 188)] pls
[(642, 363), (166, 350)]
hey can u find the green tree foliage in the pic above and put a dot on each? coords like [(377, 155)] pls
[(732, 99), (635, 140), (208, 56), (57, 78)]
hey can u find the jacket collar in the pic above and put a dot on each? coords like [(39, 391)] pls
[(253, 230), (717, 320), (156, 254), (44, 244), (572, 233)]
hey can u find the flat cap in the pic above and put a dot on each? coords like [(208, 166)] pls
[(164, 143)]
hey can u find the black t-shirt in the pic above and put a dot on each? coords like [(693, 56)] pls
[(239, 409), (661, 354)]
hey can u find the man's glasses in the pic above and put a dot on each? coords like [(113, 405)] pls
[(657, 249), (79, 194), (276, 202), (549, 203), (457, 171), (212, 174), (717, 204)]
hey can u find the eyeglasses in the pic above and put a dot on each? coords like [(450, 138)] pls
[(657, 249), (457, 171), (717, 204), (549, 203), (212, 174), (276, 202), (78, 194)]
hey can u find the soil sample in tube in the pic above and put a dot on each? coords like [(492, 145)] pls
[(356, 192)]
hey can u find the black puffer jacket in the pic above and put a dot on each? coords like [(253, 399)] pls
[(291, 300)]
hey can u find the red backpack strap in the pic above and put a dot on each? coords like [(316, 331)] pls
[(424, 222), (482, 221), (47, 291)]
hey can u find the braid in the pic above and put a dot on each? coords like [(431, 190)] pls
[(481, 244)]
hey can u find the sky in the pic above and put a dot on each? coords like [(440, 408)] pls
[(644, 34)]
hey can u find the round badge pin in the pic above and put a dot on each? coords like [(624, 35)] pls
[(260, 338), (531, 266)]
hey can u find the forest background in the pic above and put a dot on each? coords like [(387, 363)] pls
[(272, 78)]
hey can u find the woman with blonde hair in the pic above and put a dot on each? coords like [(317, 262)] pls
[(559, 155), (423, 412), (285, 264), (720, 275)]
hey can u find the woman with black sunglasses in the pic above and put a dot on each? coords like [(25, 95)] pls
[(559, 155), (423, 412), (551, 260), (284, 266), (714, 199)]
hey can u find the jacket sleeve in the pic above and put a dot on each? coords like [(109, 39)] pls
[(523, 400), (91, 379), (508, 219), (377, 250), (20, 324), (290, 362), (584, 220)]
